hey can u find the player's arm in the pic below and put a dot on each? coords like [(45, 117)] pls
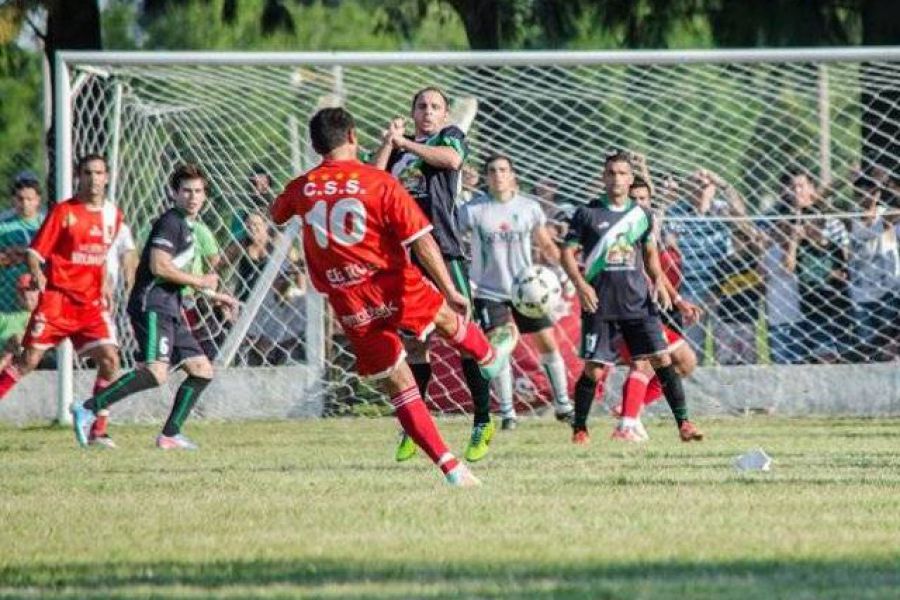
[(587, 295), (394, 131), (548, 248), (690, 311), (34, 267), (284, 206), (439, 157), (43, 244), (654, 270), (429, 256)]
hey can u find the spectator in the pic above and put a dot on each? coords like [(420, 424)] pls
[(778, 268), (470, 179), (13, 323), (258, 199), (250, 256), (276, 336), (873, 272), (17, 228), (738, 300), (703, 243)]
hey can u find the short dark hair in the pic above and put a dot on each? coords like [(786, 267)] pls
[(257, 169), (615, 156), (185, 172), (639, 182), (90, 157), (24, 180), (328, 129), (795, 171), (436, 90), (495, 156)]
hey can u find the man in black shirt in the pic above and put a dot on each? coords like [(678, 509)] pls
[(428, 165), (163, 334), (615, 235)]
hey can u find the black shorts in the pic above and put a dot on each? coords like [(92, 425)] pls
[(643, 337), (163, 338), (493, 313)]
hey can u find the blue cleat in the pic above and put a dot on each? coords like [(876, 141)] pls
[(82, 419)]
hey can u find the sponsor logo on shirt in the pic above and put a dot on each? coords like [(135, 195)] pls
[(349, 274), (95, 231), (368, 314)]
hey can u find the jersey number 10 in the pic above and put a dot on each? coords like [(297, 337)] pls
[(345, 223)]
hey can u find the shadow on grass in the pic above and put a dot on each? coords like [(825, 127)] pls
[(738, 579)]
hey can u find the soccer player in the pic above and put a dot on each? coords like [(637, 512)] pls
[(503, 224), (428, 165), (67, 261), (161, 330), (617, 298), (358, 222)]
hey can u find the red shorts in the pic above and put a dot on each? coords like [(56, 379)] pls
[(673, 340), (57, 318), (374, 313)]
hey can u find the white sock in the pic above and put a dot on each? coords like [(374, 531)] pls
[(555, 369), (503, 384)]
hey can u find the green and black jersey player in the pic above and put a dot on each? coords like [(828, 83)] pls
[(163, 336), (617, 296), (428, 165)]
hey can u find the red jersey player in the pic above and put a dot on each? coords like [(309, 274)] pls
[(67, 259), (358, 224)]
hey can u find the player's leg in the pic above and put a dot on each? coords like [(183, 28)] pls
[(189, 355), (153, 334), (599, 356), (106, 359), (683, 358), (645, 339), (491, 314), (555, 369), (45, 330), (634, 389)]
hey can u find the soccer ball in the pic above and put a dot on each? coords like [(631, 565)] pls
[(536, 291)]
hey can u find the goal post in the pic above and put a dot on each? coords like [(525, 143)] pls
[(742, 116)]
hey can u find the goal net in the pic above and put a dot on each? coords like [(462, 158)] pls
[(775, 174)]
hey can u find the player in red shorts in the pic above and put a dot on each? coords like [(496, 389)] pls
[(359, 226), (67, 259)]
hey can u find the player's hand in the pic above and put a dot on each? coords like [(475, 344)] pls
[(588, 297), (458, 302), (661, 295), (210, 281), (395, 130), (40, 280), (690, 311)]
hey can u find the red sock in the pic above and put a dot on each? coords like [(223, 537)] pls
[(633, 393), (418, 424), (9, 377), (98, 427), (470, 339), (654, 391)]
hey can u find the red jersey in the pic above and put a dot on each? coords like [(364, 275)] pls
[(670, 261), (73, 242), (357, 221)]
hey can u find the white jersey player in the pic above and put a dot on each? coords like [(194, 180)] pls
[(503, 225)]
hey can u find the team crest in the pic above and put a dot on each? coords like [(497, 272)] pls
[(69, 220)]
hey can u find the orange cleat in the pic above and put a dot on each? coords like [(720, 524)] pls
[(689, 432), (581, 437)]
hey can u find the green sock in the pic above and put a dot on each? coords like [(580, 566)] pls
[(132, 382), (185, 398)]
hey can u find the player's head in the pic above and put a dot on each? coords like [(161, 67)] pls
[(92, 177), (798, 188), (430, 109), (333, 129), (188, 183), (500, 173), (640, 192), (617, 174), (26, 192)]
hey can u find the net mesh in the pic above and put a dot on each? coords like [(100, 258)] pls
[(784, 273)]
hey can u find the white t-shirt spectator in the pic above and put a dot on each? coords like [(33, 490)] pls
[(123, 244), (873, 261), (782, 291)]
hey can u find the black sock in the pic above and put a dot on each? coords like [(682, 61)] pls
[(674, 392), (585, 390), (132, 382), (187, 394), (480, 389), (422, 374)]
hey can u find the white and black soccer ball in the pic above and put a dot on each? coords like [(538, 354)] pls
[(536, 291)]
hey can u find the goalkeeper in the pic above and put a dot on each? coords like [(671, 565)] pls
[(503, 224)]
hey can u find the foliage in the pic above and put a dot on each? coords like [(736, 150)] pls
[(21, 120), (319, 508)]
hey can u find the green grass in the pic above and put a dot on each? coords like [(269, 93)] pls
[(319, 510)]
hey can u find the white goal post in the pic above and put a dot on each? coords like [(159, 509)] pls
[(746, 116)]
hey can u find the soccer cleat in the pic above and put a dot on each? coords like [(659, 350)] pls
[(508, 423), (688, 432), (641, 430), (175, 442), (626, 434), (503, 340), (461, 476), (82, 419), (406, 449), (482, 434), (565, 413), (101, 441), (581, 437)]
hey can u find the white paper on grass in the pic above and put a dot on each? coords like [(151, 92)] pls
[(753, 460)]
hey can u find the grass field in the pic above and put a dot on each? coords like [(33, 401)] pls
[(319, 510)]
